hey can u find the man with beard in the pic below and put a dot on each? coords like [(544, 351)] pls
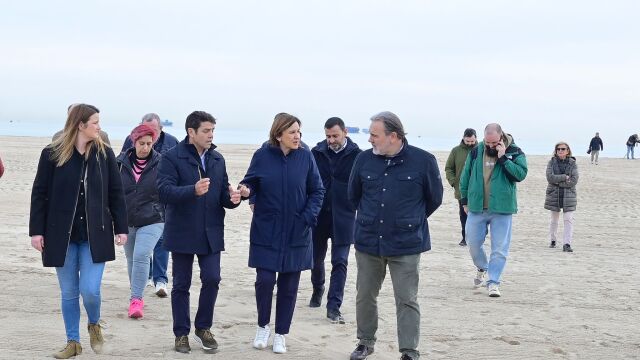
[(488, 195), (453, 169)]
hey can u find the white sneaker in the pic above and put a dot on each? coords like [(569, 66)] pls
[(262, 337), (279, 345), (161, 289), (494, 291), (478, 281), (150, 282)]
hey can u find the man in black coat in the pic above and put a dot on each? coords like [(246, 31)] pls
[(334, 158), (595, 146), (194, 186)]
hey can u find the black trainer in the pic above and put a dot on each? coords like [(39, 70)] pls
[(406, 357), (182, 344), (316, 297), (206, 339), (361, 352), (567, 248), (463, 242), (335, 316), (553, 244)]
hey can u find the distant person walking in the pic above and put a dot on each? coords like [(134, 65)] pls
[(562, 176), (631, 144), (453, 169), (488, 191), (77, 204), (287, 189), (139, 172), (334, 156), (595, 146)]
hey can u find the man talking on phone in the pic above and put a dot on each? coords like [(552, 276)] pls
[(488, 195), (193, 183)]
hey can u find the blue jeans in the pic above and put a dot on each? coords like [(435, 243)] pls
[(159, 264), (500, 229), (138, 250), (630, 149), (79, 276)]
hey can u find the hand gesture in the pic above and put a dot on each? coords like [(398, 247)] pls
[(202, 186), (501, 149), (121, 239), (37, 241), (234, 195), (244, 190)]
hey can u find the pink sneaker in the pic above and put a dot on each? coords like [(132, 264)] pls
[(135, 308)]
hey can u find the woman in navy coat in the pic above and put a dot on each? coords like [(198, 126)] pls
[(285, 182)]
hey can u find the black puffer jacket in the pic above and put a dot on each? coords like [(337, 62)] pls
[(143, 202)]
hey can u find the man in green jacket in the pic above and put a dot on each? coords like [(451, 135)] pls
[(453, 169), (488, 194)]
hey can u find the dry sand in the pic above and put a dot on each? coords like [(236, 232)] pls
[(555, 305)]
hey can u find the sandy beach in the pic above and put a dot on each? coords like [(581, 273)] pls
[(554, 305)]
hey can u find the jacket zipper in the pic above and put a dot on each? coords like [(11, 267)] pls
[(75, 207)]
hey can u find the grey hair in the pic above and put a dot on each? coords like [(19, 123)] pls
[(150, 117), (391, 123), (493, 127)]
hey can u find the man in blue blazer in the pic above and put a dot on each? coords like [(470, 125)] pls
[(193, 184)]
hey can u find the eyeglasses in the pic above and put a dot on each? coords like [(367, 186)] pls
[(561, 149)]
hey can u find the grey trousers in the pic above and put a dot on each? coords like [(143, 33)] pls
[(405, 277)]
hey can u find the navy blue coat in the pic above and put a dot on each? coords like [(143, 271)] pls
[(288, 196), (394, 198), (337, 211), (193, 224)]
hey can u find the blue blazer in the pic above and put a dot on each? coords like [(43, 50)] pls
[(288, 196), (193, 224)]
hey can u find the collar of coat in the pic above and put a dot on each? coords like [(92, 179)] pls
[(323, 147)]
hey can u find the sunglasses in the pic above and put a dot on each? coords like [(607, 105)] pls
[(561, 149)]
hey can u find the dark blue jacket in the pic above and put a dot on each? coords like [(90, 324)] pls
[(143, 203), (337, 211), (288, 196), (394, 198), (164, 142), (193, 224)]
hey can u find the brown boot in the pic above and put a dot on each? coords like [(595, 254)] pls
[(95, 338), (72, 349)]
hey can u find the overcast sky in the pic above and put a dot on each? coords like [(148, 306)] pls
[(552, 69)]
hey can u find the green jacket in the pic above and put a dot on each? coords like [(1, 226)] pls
[(509, 170), (455, 164)]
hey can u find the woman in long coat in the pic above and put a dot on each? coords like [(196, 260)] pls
[(562, 176), (286, 185), (77, 204)]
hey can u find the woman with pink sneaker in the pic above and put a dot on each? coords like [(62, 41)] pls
[(138, 170)]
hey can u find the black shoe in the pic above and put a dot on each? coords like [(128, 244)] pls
[(553, 244), (316, 297), (361, 352), (335, 316), (463, 242), (567, 248), (406, 357), (206, 339), (182, 344)]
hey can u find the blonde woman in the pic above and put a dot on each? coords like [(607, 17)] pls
[(77, 204), (562, 176)]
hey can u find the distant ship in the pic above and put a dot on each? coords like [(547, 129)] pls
[(365, 130), (353, 129), (166, 123)]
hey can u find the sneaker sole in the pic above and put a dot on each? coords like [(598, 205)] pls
[(135, 315), (205, 348), (494, 295), (259, 346), (161, 293)]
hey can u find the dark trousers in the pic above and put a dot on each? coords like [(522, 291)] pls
[(339, 262), (210, 278), (285, 298), (463, 218), (159, 263)]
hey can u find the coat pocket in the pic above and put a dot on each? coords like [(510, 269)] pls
[(301, 232), (263, 230), (409, 232)]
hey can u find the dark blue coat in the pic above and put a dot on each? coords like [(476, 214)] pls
[(193, 224), (337, 211), (394, 198), (288, 196)]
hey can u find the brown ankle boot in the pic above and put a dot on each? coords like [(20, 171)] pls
[(72, 349), (95, 338)]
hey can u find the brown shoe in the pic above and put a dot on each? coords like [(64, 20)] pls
[(72, 349), (95, 338)]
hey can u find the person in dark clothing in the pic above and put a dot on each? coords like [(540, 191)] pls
[(395, 187), (334, 158), (288, 196), (194, 186), (595, 146), (631, 144), (77, 204), (139, 171), (160, 259)]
